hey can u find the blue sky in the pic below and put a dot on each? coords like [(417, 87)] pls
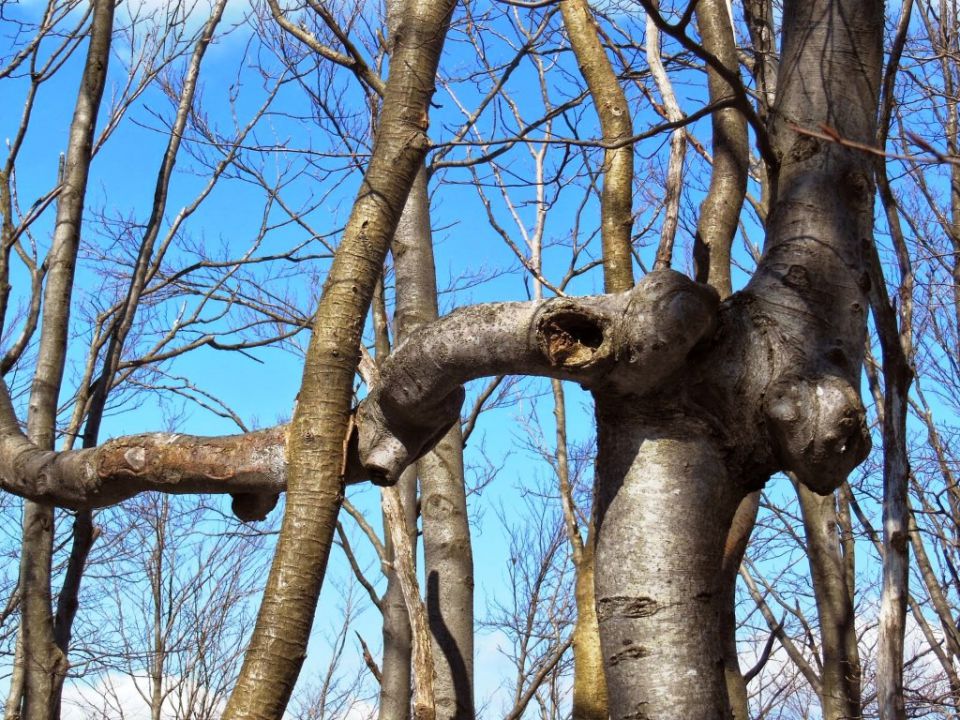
[(261, 384)]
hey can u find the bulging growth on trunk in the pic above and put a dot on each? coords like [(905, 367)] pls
[(698, 401)]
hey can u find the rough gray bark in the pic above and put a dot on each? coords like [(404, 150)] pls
[(698, 403), (448, 558), (251, 466)]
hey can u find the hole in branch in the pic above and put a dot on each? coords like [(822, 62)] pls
[(570, 338)]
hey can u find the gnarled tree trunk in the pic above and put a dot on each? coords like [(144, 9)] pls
[(698, 402)]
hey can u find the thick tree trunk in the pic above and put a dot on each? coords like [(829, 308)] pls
[(448, 560), (696, 406), (665, 508)]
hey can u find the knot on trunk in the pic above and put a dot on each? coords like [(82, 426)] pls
[(390, 437), (253, 507), (666, 316), (819, 430)]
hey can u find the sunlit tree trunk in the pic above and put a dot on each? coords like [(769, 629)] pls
[(316, 445), (698, 403)]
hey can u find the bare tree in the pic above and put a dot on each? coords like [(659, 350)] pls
[(702, 393)]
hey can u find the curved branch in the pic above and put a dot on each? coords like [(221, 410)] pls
[(626, 343)]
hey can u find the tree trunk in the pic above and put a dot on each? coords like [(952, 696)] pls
[(315, 452), (698, 404), (395, 681), (616, 202), (720, 210), (45, 663), (666, 497), (589, 681), (734, 550), (448, 558), (840, 675)]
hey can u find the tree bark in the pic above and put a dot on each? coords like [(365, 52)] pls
[(616, 202), (678, 145), (395, 681), (447, 554), (840, 674), (896, 343), (589, 682), (697, 405), (616, 225), (424, 700), (734, 550), (720, 210), (654, 483), (45, 663), (315, 449)]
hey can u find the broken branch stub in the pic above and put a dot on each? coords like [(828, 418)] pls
[(392, 437)]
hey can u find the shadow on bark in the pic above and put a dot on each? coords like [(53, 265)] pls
[(448, 646)]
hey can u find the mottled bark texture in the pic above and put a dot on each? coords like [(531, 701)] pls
[(316, 445), (250, 466), (698, 402)]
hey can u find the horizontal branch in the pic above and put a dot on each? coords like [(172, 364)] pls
[(627, 343), (251, 466)]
